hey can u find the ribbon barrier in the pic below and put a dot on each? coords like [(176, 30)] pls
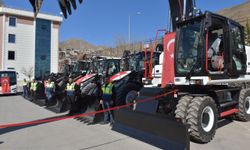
[(85, 114)]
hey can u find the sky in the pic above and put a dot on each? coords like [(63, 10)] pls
[(100, 22)]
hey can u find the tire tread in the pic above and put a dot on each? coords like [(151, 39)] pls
[(241, 115), (182, 108), (193, 119)]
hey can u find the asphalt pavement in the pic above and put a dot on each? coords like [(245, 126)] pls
[(71, 134)]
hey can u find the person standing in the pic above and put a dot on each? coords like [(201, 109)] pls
[(107, 101), (71, 96), (25, 88), (49, 91), (33, 89)]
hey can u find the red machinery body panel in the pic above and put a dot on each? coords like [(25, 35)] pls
[(168, 63), (84, 78), (119, 76), (5, 83)]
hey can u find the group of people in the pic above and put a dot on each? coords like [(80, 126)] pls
[(30, 89), (104, 93)]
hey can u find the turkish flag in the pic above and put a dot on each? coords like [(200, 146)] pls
[(168, 73), (5, 83)]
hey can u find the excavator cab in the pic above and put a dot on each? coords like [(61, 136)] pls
[(202, 52), (81, 67)]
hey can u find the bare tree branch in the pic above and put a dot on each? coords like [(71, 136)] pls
[(28, 72)]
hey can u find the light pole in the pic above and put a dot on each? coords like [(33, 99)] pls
[(129, 26)]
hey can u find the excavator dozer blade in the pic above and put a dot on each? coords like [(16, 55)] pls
[(145, 124), (89, 104), (160, 131), (152, 105)]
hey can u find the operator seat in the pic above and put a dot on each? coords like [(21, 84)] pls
[(215, 46), (216, 53)]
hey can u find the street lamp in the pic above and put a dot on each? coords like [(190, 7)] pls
[(129, 25)]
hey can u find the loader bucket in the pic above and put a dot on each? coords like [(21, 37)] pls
[(40, 102), (145, 124), (160, 131), (61, 104), (88, 103)]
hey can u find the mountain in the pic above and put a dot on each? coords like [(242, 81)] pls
[(239, 13), (81, 45), (74, 47)]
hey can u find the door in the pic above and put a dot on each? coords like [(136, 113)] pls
[(216, 37)]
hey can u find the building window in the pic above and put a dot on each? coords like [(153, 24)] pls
[(12, 38), (12, 21), (11, 55), (10, 68)]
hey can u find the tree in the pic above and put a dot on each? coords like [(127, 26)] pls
[(28, 72)]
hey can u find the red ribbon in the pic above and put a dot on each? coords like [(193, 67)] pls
[(85, 114)]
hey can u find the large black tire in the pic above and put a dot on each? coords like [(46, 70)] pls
[(202, 118), (88, 88), (244, 105), (182, 108), (122, 93)]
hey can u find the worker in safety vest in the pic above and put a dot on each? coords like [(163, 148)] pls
[(25, 88), (71, 96), (49, 90), (33, 89), (107, 101)]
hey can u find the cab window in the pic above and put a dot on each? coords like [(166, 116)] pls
[(113, 68), (216, 47), (237, 46)]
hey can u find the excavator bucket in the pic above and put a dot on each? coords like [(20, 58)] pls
[(87, 104), (145, 124)]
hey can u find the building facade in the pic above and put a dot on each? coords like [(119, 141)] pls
[(27, 45)]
